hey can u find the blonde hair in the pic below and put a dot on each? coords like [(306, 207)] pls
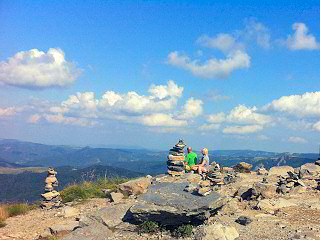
[(205, 151)]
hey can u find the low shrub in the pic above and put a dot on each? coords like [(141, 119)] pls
[(11, 210), (18, 209), (86, 190), (148, 227), (183, 231)]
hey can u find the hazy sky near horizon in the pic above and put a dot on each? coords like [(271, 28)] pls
[(219, 74)]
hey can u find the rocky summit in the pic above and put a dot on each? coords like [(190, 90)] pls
[(220, 205)]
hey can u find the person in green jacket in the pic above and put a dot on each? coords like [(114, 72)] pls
[(190, 160)]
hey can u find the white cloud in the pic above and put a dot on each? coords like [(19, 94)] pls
[(212, 68), (224, 42), (307, 104), (163, 91), (208, 127), (9, 111), (192, 108), (160, 119), (257, 30), (162, 98), (59, 118), (297, 140), (301, 39), (216, 118), (247, 115), (37, 69), (242, 129)]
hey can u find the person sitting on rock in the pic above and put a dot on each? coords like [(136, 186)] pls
[(190, 160), (203, 166)]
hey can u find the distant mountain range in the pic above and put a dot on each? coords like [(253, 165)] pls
[(139, 160), (75, 164)]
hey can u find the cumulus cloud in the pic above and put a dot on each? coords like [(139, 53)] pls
[(307, 104), (192, 108), (247, 115), (257, 31), (301, 39), (217, 118), (154, 110), (297, 140), (9, 111), (223, 41), (161, 119), (163, 91), (60, 118), (241, 115), (212, 68), (162, 98), (242, 129), (37, 69)]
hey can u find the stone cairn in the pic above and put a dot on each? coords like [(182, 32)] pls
[(214, 179), (176, 158), (287, 183), (51, 197)]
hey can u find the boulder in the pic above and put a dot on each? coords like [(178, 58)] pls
[(262, 171), (270, 205), (96, 231), (217, 231), (111, 216), (66, 227), (309, 169), (265, 190), (243, 220), (135, 187), (116, 196), (70, 211), (280, 170), (169, 204), (317, 162), (243, 167)]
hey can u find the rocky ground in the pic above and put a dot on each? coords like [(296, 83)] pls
[(248, 208)]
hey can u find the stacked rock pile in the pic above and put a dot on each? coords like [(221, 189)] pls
[(176, 157), (262, 171), (204, 188), (285, 184), (51, 197), (214, 175)]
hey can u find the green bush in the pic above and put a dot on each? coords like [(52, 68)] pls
[(148, 227), (183, 231), (86, 190), (18, 209)]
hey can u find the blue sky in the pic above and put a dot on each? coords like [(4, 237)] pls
[(219, 74)]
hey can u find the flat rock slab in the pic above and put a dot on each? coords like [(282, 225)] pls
[(173, 195), (96, 231), (169, 204)]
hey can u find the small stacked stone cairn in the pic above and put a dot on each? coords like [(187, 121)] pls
[(262, 171), (204, 188), (51, 197), (285, 184), (176, 157), (214, 175)]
